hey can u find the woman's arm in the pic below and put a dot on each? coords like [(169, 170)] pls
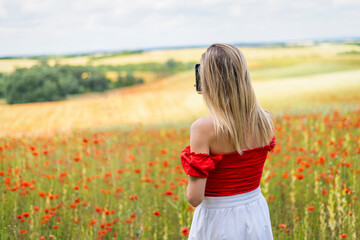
[(199, 135)]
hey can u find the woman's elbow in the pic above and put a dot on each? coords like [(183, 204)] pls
[(195, 201), (195, 190)]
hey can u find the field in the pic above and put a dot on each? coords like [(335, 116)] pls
[(284, 78), (105, 166), (130, 184)]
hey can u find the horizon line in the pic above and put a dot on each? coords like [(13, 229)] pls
[(145, 49)]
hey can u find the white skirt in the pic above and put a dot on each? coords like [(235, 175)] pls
[(243, 216)]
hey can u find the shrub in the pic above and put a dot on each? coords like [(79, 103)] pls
[(45, 83), (79, 79), (2, 86), (37, 84), (128, 80)]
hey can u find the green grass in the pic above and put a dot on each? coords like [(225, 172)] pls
[(278, 68)]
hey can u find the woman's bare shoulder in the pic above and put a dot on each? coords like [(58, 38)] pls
[(204, 123), (200, 135), (204, 126)]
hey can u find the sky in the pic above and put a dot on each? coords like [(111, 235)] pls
[(37, 27)]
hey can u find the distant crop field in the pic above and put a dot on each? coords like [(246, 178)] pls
[(258, 57), (170, 101), (9, 65), (285, 79)]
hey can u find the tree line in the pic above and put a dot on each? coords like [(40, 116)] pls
[(52, 83), (167, 68), (42, 82)]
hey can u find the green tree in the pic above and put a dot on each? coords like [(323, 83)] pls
[(94, 81), (79, 79), (128, 80), (171, 63), (37, 84), (2, 86)]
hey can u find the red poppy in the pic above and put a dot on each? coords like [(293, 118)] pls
[(300, 169), (300, 176), (285, 175), (185, 231), (26, 214), (311, 208), (92, 222), (282, 225)]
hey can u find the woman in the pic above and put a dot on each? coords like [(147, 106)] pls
[(227, 152)]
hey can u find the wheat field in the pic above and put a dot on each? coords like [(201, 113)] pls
[(284, 79), (170, 101)]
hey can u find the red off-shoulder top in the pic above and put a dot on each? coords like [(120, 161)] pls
[(228, 173)]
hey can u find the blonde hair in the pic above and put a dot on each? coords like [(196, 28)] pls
[(230, 97)]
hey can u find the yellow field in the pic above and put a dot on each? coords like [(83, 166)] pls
[(9, 65), (310, 84), (170, 100), (252, 54)]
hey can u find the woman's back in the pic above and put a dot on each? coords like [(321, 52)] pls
[(228, 173), (221, 144)]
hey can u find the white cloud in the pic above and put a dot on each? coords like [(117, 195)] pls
[(3, 12), (235, 10), (37, 6), (36, 26), (343, 3)]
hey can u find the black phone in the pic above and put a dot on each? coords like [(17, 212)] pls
[(197, 77)]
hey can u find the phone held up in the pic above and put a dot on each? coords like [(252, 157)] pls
[(197, 76)]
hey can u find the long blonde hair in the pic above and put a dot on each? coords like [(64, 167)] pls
[(230, 97)]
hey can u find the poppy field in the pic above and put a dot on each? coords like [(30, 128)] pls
[(129, 184)]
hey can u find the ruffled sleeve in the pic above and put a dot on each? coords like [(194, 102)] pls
[(272, 144), (198, 164)]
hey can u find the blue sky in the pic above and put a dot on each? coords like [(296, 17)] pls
[(72, 26)]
